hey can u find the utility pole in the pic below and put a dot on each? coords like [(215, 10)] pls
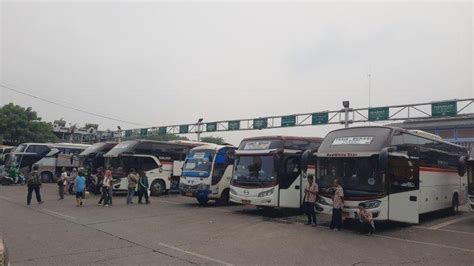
[(346, 110)]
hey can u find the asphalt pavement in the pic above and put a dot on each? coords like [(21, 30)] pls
[(176, 230)]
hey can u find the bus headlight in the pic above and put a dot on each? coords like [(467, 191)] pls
[(322, 201), (266, 193), (232, 191), (372, 204)]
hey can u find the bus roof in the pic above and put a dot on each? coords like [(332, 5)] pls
[(150, 145), (368, 139), (71, 145), (280, 137), (212, 146), (98, 147)]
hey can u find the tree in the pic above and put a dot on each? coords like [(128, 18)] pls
[(215, 140), (19, 125)]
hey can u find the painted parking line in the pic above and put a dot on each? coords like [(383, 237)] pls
[(441, 225), (425, 243), (445, 230), (57, 214), (195, 254)]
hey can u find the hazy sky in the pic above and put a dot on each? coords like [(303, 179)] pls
[(160, 63)]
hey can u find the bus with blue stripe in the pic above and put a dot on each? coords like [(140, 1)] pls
[(207, 172)]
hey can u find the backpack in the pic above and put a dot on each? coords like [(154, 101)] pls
[(33, 179)]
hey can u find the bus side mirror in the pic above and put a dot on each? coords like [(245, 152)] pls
[(278, 160), (383, 158), (462, 165), (230, 155), (52, 153), (307, 158)]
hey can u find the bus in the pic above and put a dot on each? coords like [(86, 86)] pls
[(162, 161), (396, 174), (93, 157), (267, 171), (470, 180), (50, 158), (207, 172)]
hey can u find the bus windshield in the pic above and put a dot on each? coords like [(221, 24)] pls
[(254, 170), (356, 173), (198, 163)]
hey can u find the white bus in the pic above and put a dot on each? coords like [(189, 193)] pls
[(267, 171), (397, 174), (4, 153), (161, 161), (207, 172), (470, 178), (50, 158)]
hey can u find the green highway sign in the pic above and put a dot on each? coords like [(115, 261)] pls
[(211, 127), (128, 133), (234, 125), (260, 123), (162, 131), (377, 114), (288, 121), (183, 129), (444, 109), (143, 131), (320, 118)]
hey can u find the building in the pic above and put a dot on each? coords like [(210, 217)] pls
[(459, 129), (87, 134)]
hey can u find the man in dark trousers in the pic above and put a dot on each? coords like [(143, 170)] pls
[(310, 194), (34, 184), (143, 187)]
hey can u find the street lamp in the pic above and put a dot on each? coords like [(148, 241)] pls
[(119, 130), (199, 131), (346, 110)]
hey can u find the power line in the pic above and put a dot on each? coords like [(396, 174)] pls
[(68, 106)]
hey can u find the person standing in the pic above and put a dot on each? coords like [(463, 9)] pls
[(108, 176), (311, 193), (132, 179), (34, 184), (61, 183), (106, 184), (80, 187), (143, 187), (337, 205), (71, 180), (366, 221)]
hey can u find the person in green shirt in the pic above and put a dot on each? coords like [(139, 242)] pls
[(143, 187)]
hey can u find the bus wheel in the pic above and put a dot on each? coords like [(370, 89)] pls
[(157, 188), (455, 204), (203, 201), (46, 177), (224, 199)]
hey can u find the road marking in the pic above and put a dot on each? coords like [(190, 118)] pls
[(58, 214), (444, 230), (425, 243), (4, 198), (195, 254), (440, 225)]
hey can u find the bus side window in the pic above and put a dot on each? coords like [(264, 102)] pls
[(403, 174)]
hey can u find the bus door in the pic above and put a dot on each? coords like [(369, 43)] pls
[(404, 187), (290, 184)]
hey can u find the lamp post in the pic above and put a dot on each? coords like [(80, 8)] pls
[(119, 130), (198, 130), (346, 110)]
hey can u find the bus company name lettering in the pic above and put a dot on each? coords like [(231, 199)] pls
[(338, 154)]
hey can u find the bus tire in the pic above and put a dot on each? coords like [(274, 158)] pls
[(203, 201), (455, 204), (157, 188), (224, 199), (46, 177)]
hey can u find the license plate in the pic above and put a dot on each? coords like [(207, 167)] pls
[(246, 202), (189, 194)]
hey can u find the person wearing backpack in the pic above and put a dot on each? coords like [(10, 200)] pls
[(33, 183)]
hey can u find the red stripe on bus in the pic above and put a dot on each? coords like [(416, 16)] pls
[(435, 169)]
